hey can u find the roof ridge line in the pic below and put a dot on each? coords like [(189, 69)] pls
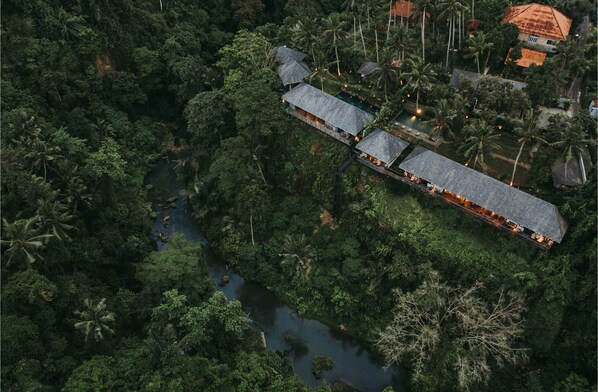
[(558, 21), (524, 7)]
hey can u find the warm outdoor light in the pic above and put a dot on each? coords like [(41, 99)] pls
[(419, 111), (500, 126), (413, 118)]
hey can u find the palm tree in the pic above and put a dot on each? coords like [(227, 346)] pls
[(72, 186), (443, 114), (479, 142), (334, 34), (321, 68), (568, 50), (528, 132), (24, 241), (305, 35), (400, 39), (41, 153), (352, 7), (54, 217), (385, 75), (422, 6), (297, 253), (419, 77), (452, 11), (572, 142), (476, 46), (95, 320)]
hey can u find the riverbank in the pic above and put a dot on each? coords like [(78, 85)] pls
[(354, 363)]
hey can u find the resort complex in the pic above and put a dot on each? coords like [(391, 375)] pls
[(478, 194)]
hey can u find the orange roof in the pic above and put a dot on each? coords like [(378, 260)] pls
[(529, 57), (404, 9), (540, 20)]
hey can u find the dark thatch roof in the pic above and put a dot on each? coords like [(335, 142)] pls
[(367, 67), (571, 174), (382, 145), (528, 211), (293, 72), (286, 55), (334, 111), (459, 75)]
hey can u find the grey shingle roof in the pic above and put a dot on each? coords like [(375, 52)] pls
[(459, 75), (286, 55), (382, 145), (293, 72), (367, 67), (334, 111), (526, 210)]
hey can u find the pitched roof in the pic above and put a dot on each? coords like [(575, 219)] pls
[(529, 57), (334, 111), (459, 75), (367, 67), (286, 55), (540, 20), (404, 9), (382, 145), (293, 72), (520, 207)]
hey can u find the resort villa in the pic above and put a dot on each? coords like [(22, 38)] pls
[(329, 114), (484, 197), (541, 27), (291, 69), (494, 201)]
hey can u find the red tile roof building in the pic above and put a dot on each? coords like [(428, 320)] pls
[(540, 26), (403, 9)]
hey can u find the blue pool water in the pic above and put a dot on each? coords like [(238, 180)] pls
[(356, 102), (412, 122)]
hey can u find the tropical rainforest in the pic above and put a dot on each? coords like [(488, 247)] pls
[(94, 93)]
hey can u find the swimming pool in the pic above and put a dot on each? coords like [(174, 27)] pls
[(357, 102), (411, 121)]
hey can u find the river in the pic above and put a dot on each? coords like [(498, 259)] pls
[(354, 364)]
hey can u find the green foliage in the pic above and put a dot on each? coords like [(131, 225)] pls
[(20, 340), (179, 266), (319, 364)]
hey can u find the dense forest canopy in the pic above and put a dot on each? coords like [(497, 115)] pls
[(95, 93)]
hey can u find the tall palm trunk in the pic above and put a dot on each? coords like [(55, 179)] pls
[(362, 40), (486, 62), (460, 31), (338, 63), (377, 54), (251, 225), (517, 161), (354, 32), (448, 42), (423, 33), (417, 102), (477, 62), (472, 8), (389, 17)]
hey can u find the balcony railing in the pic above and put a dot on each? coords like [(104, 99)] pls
[(319, 126)]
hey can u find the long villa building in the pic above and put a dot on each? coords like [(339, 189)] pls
[(484, 197), (331, 115)]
